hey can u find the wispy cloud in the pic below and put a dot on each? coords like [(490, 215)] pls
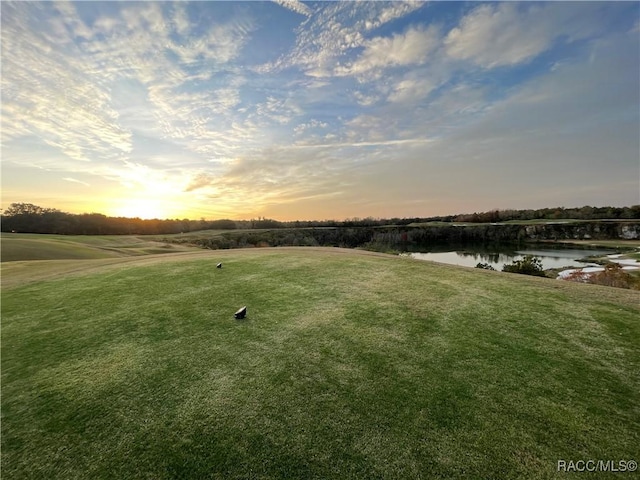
[(339, 27), (65, 93), (313, 124), (381, 143), (512, 36), (47, 92), (74, 180), (494, 35), (408, 48), (201, 180), (295, 6), (414, 87)]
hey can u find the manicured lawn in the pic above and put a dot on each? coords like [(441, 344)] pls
[(17, 247), (619, 244), (26, 246), (349, 364)]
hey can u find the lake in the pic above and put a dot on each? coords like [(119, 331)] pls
[(498, 256)]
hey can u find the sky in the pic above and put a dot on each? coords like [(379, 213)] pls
[(319, 110)]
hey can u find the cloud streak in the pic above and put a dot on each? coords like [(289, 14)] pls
[(74, 180), (295, 6)]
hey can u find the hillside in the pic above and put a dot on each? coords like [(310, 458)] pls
[(28, 246), (349, 364)]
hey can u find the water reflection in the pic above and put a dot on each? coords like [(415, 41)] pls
[(497, 256)]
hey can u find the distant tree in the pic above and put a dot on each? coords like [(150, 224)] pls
[(27, 217), (265, 223), (223, 224), (632, 212), (26, 209), (586, 212)]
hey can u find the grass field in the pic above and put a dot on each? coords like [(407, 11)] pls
[(27, 246), (350, 364), (618, 244)]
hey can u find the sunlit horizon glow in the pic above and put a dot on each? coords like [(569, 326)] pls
[(346, 109)]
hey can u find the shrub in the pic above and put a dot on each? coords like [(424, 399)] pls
[(578, 276), (529, 265), (484, 266), (614, 276)]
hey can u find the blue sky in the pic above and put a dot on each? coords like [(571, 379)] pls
[(319, 110)]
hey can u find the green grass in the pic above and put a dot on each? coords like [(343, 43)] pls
[(26, 246), (615, 243), (349, 364)]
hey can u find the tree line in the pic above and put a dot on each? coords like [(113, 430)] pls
[(30, 218), (557, 213)]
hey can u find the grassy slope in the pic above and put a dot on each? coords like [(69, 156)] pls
[(617, 243), (25, 246), (349, 364)]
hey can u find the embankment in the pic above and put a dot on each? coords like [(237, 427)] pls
[(405, 236)]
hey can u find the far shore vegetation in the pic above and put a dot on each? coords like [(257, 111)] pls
[(30, 218)]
